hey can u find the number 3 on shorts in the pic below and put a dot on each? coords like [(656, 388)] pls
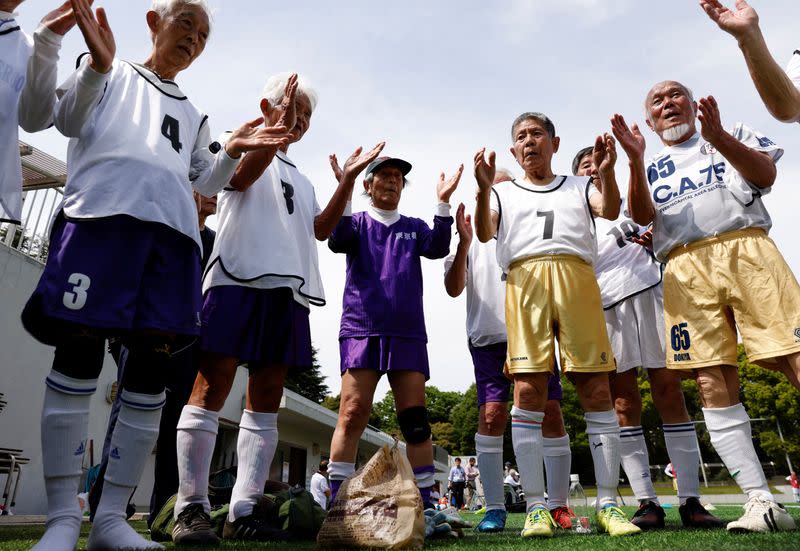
[(76, 299), (680, 337)]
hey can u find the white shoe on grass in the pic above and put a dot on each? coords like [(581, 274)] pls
[(762, 515)]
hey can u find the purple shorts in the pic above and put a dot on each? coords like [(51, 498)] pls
[(384, 354), (116, 274), (491, 382), (258, 326)]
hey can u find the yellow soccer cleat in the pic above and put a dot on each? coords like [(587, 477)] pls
[(613, 520), (538, 524)]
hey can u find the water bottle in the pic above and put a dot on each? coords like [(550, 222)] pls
[(579, 504)]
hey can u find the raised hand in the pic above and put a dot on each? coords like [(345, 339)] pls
[(289, 104), (61, 19), (97, 34), (739, 22), (604, 154), (630, 139), (337, 170), (356, 163), (446, 187), (710, 121), (485, 170), (463, 226), (252, 136)]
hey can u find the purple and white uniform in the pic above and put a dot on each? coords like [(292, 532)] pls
[(486, 324), (258, 289), (383, 324), (629, 277), (125, 247)]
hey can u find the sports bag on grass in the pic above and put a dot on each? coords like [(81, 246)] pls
[(379, 506)]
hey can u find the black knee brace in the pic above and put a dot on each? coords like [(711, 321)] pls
[(146, 363), (80, 357), (414, 424)]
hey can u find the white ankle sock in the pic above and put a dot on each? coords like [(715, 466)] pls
[(197, 435), (132, 443), (489, 450), (603, 431), (684, 453), (526, 435), (255, 448), (65, 424), (732, 438), (557, 464), (636, 463)]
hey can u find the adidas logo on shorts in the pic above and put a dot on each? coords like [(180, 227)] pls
[(684, 357), (114, 453)]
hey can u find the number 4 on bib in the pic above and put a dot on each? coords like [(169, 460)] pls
[(170, 129)]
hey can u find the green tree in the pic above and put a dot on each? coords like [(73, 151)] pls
[(310, 383)]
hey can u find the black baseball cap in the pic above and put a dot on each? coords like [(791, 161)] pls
[(404, 166)]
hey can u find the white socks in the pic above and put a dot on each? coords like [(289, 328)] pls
[(732, 438), (255, 448), (64, 426), (526, 434), (603, 431), (132, 443), (557, 464), (684, 453), (197, 434), (636, 463), (489, 450)]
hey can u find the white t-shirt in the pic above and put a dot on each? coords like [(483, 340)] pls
[(319, 485), (138, 147), (698, 194), (486, 293), (541, 220), (265, 235), (15, 50), (623, 268)]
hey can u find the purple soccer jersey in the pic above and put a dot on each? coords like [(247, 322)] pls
[(383, 288)]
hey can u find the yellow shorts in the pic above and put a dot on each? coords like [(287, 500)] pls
[(736, 279), (555, 296)]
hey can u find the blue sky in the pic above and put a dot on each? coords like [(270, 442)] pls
[(438, 80)]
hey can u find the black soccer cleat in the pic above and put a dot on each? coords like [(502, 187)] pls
[(253, 528), (649, 516), (193, 527), (694, 515)]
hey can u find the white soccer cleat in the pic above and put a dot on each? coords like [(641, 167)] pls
[(761, 515)]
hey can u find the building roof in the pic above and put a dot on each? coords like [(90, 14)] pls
[(40, 170)]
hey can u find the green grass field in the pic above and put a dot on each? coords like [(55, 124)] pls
[(671, 539)]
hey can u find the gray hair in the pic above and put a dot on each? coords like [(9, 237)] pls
[(686, 90), (166, 7), (576, 162), (276, 84), (533, 115)]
